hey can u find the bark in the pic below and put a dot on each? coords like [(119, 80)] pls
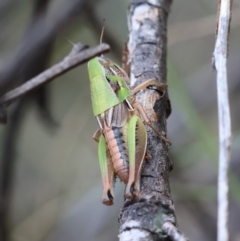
[(224, 118), (152, 215)]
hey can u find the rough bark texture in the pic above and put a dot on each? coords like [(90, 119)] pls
[(143, 219)]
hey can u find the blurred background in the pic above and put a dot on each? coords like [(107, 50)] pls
[(51, 184)]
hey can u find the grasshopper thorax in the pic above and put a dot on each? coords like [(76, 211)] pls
[(109, 84)]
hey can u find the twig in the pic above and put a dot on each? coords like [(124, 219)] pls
[(8, 166), (39, 63), (220, 64), (173, 232), (69, 62), (38, 36)]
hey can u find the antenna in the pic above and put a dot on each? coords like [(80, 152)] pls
[(103, 26), (73, 44)]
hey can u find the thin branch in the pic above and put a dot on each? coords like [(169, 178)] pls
[(7, 166), (37, 37), (69, 62), (39, 63), (220, 64)]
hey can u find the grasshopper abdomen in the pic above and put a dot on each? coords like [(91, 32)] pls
[(116, 145)]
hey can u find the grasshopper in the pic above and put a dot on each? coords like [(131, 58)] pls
[(122, 136)]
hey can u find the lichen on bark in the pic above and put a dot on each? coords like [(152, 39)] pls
[(143, 218)]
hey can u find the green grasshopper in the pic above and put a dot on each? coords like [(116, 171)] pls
[(122, 137)]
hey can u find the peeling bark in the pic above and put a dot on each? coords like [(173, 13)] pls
[(143, 219)]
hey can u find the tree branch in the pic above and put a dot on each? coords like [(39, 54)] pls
[(69, 62), (35, 40), (149, 217), (220, 64)]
